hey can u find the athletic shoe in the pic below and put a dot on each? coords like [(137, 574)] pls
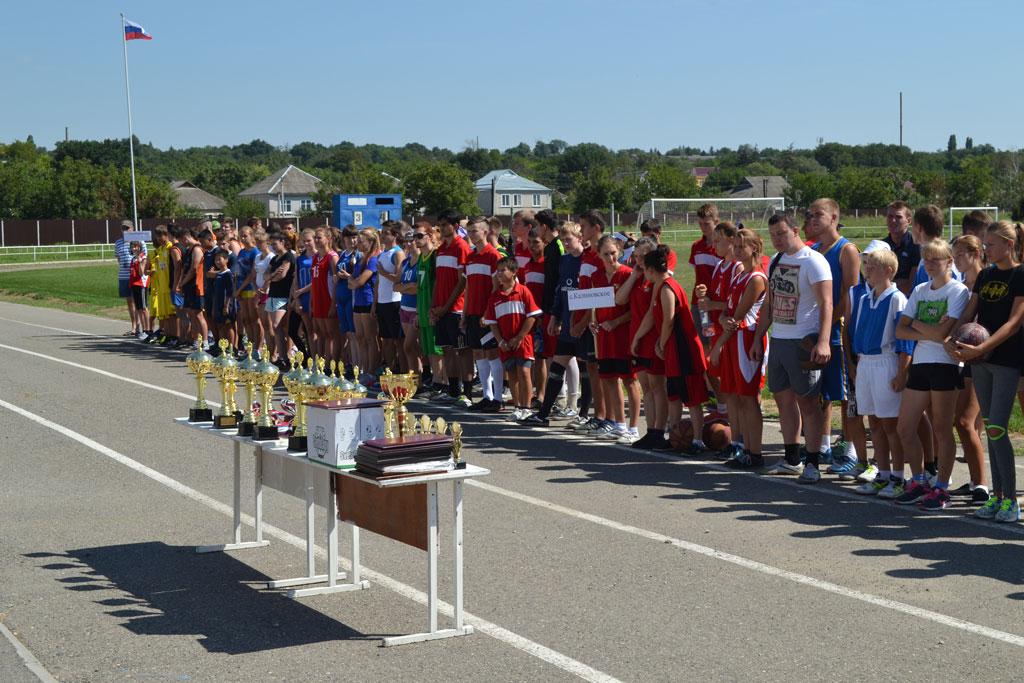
[(577, 423), (506, 394), (840, 448), (462, 401), (964, 491), (913, 493), (810, 475), (979, 495), (480, 405), (644, 442), (697, 447), (730, 452), (592, 426), (780, 467), (869, 474), (872, 488), (534, 420), (492, 407), (744, 461), (989, 509), (516, 415), (843, 466), (937, 499), (892, 490), (661, 445), (603, 430), (614, 434), (443, 397), (826, 457), (629, 438), (932, 479), (1009, 510), (563, 413)]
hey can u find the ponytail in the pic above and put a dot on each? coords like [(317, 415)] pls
[(1011, 232), (1018, 243)]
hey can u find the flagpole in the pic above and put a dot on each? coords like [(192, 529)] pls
[(131, 135)]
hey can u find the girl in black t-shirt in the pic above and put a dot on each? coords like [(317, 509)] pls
[(279, 276), (998, 301)]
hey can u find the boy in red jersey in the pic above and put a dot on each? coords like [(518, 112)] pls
[(447, 307), (522, 223), (479, 286), (512, 314), (703, 257)]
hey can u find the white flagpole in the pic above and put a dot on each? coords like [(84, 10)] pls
[(131, 135)]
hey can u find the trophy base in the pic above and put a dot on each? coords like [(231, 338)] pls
[(460, 465), (225, 422), (239, 416), (200, 415), (297, 443), (261, 433), (246, 428)]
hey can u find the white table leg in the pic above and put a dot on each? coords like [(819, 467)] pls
[(311, 575), (355, 553), (237, 499), (432, 547), (332, 554)]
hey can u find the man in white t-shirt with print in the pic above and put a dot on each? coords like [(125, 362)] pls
[(799, 310)]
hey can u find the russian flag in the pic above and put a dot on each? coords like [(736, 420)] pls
[(133, 31)]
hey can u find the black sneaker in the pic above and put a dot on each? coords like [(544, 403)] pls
[(979, 495), (534, 420), (494, 406), (644, 442), (479, 405), (964, 491)]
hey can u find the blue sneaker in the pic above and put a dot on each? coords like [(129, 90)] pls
[(843, 465), (826, 457)]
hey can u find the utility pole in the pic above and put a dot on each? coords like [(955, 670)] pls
[(901, 118)]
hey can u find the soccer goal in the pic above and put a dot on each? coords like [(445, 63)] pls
[(957, 213), (679, 216)]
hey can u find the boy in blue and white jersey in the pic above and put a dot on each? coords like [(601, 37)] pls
[(881, 367)]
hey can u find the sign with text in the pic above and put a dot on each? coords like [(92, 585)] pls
[(138, 235), (598, 297)]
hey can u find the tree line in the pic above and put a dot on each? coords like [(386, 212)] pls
[(90, 178)]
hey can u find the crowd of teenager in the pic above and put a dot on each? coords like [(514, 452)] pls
[(882, 331)]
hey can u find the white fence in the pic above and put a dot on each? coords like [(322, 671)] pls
[(56, 252)]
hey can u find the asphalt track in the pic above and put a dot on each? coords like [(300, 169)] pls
[(583, 560)]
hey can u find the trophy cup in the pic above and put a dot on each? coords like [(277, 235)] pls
[(225, 369), (266, 377), (294, 383), (398, 390), (319, 386), (457, 446), (247, 374), (358, 390), (342, 387), (199, 363)]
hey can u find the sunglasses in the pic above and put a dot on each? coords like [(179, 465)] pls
[(418, 236)]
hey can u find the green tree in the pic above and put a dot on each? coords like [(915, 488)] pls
[(244, 208), (861, 188), (433, 187), (667, 180), (804, 188), (951, 143), (972, 185)]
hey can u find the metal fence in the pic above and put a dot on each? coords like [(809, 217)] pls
[(56, 253)]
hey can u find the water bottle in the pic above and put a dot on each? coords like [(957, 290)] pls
[(707, 328)]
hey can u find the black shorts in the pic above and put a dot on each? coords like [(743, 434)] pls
[(208, 301), (585, 348), (139, 297), (362, 309), (448, 331), (193, 302), (934, 377), (614, 368), (478, 335), (389, 325)]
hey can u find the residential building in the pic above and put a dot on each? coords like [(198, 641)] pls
[(503, 192), (191, 197), (285, 193), (759, 186)]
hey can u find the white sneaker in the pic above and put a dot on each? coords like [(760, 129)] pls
[(780, 467), (871, 488), (613, 434), (629, 437), (810, 475), (869, 474), (891, 490)]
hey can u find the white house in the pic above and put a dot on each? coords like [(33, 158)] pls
[(284, 193), (503, 192)]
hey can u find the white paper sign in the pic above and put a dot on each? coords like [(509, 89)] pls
[(597, 297), (138, 235)]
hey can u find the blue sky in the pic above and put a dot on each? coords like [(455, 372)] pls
[(643, 73)]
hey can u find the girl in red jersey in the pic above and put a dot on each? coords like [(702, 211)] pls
[(711, 300), (743, 378), (678, 379), (321, 302), (612, 331), (636, 291)]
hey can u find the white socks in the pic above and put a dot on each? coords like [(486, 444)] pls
[(497, 379), (483, 369)]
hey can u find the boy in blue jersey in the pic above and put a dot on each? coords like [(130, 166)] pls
[(881, 368), (844, 262)]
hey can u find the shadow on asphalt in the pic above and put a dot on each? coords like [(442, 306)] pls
[(160, 590)]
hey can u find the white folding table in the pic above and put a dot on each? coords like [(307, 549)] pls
[(456, 477)]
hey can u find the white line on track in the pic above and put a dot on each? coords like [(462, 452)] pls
[(29, 659), (762, 568), (57, 329), (517, 641)]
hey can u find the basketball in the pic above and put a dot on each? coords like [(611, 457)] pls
[(717, 435), (972, 334), (681, 435)]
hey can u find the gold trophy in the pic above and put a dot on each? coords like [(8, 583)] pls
[(266, 377), (358, 390), (294, 383), (320, 385), (199, 363), (398, 390), (342, 387), (457, 446), (225, 369), (247, 375)]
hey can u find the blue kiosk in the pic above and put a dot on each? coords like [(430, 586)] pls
[(366, 210)]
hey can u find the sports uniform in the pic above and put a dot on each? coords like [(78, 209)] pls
[(613, 346), (479, 285), (450, 264), (873, 340), (320, 299), (739, 374), (684, 364), (509, 310), (723, 277)]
